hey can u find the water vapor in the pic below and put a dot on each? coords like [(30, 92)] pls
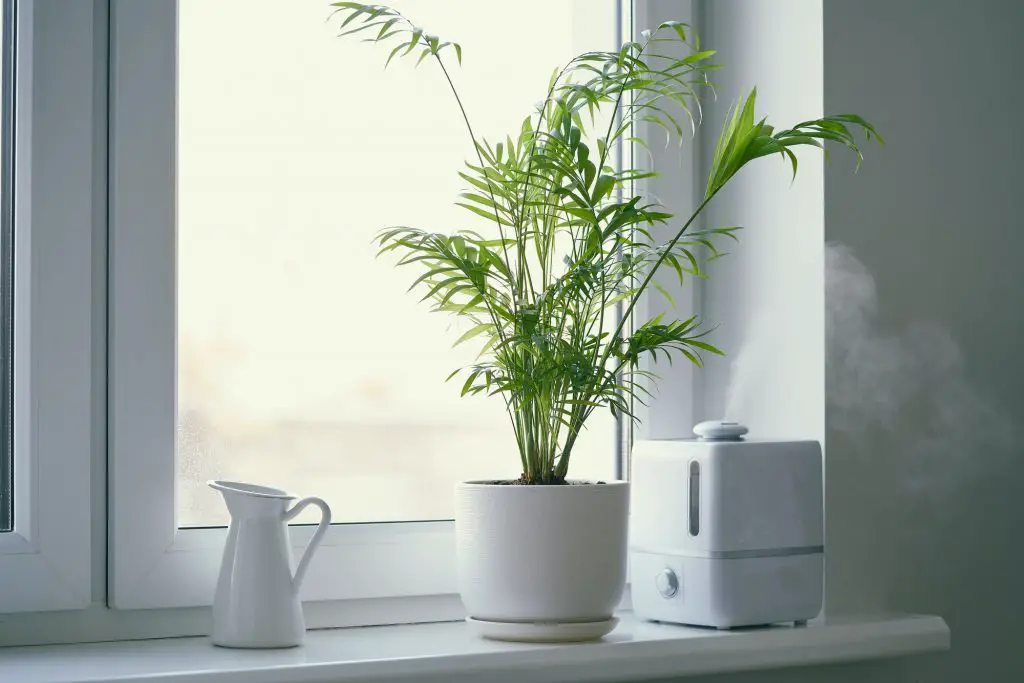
[(902, 392), (907, 388)]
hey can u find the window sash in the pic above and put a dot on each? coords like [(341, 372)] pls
[(47, 555), (152, 562)]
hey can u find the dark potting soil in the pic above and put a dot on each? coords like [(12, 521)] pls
[(521, 481)]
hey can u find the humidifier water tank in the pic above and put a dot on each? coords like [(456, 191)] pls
[(726, 531)]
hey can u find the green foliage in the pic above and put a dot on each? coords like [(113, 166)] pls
[(570, 241)]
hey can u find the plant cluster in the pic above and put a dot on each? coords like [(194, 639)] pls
[(569, 239)]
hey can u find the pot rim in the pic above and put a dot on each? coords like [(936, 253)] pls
[(576, 485)]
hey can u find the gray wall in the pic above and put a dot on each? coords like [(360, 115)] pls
[(925, 469)]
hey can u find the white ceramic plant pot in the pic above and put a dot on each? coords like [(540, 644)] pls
[(542, 555)]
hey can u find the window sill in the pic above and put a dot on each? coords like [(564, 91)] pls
[(424, 653)]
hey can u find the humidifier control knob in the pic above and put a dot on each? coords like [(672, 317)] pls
[(667, 583)]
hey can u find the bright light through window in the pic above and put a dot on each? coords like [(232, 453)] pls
[(302, 361)]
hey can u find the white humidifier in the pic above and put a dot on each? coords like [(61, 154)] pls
[(726, 531)]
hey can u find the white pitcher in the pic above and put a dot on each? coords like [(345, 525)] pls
[(257, 600)]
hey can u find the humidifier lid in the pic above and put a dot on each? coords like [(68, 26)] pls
[(720, 430)]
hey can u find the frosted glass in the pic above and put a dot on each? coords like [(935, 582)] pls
[(302, 361)]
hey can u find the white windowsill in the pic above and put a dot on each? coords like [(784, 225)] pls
[(425, 653)]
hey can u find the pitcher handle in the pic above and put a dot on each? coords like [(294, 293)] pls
[(318, 535)]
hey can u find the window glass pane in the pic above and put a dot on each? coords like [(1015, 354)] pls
[(302, 361), (6, 267)]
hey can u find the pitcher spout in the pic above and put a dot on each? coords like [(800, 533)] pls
[(251, 500)]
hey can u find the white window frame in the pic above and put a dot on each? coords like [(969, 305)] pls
[(47, 555)]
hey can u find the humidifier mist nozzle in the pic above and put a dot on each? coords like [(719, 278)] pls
[(720, 430)]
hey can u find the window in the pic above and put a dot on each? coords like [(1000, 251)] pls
[(253, 334), (188, 192)]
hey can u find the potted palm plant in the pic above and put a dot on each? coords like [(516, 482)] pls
[(541, 555)]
